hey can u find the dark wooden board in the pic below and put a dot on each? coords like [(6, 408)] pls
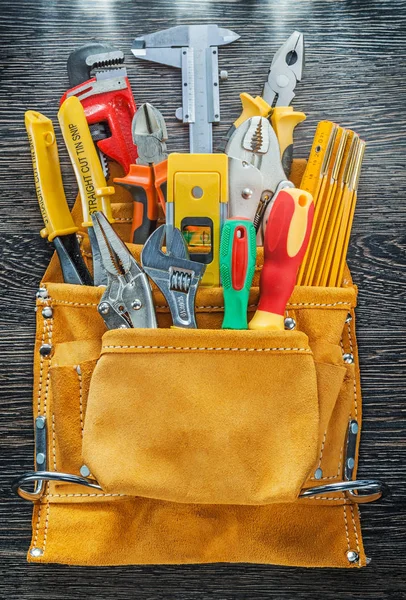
[(356, 75)]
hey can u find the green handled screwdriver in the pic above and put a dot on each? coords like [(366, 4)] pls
[(238, 249)]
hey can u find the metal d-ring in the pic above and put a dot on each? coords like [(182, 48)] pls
[(373, 489), (41, 477)]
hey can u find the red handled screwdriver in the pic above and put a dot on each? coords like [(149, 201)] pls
[(286, 237)]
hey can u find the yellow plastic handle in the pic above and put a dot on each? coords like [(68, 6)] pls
[(252, 107), (47, 176), (284, 120), (94, 191)]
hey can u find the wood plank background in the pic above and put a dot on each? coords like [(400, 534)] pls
[(355, 75)]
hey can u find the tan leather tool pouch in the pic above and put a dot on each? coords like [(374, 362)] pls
[(202, 441)]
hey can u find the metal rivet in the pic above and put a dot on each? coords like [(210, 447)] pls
[(104, 308), (354, 427), (318, 474), (47, 312), (45, 349), (137, 304), (349, 318), (351, 463), (352, 556), (40, 458), (348, 358), (290, 323), (84, 471), (42, 293), (246, 193), (36, 552), (40, 422)]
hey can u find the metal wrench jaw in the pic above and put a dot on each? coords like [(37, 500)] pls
[(176, 276), (84, 60), (149, 135), (179, 37), (286, 70)]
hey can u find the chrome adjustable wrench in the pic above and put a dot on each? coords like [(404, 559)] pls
[(174, 273)]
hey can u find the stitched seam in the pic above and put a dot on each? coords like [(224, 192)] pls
[(220, 306), (41, 368), (322, 448), (339, 461), (37, 526), (85, 495), (307, 350), (54, 301), (355, 533), (354, 380), (46, 528), (42, 359), (324, 498), (79, 374), (53, 442), (49, 326), (347, 533)]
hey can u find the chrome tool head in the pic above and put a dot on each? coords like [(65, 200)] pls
[(149, 135), (127, 301), (194, 50), (174, 273), (255, 170), (182, 36), (255, 143), (286, 70), (90, 57)]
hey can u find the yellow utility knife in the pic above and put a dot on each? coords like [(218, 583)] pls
[(94, 192), (59, 226), (278, 92)]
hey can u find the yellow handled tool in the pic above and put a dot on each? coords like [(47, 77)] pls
[(94, 191), (59, 225), (47, 177), (278, 93)]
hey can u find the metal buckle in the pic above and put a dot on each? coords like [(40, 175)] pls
[(44, 476), (359, 491), (373, 489)]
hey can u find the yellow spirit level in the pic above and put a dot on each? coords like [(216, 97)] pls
[(197, 197)]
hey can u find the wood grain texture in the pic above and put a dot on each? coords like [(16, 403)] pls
[(355, 75)]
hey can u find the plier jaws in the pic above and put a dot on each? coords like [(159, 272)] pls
[(286, 70), (149, 135), (127, 300)]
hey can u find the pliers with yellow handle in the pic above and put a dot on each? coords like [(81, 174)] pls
[(278, 92), (59, 226)]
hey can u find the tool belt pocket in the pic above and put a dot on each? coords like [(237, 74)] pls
[(203, 416)]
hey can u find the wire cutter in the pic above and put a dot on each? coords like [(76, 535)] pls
[(127, 300), (255, 171), (146, 180), (278, 92)]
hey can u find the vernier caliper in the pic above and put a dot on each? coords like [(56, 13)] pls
[(192, 48)]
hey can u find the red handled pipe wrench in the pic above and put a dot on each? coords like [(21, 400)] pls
[(107, 100)]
